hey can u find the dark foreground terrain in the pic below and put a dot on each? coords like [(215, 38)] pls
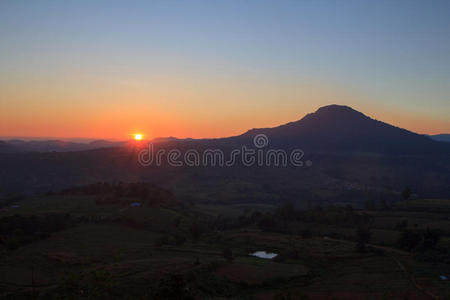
[(138, 241)]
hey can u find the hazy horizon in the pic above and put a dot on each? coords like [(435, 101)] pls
[(88, 139)]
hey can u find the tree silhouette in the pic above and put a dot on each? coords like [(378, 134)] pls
[(363, 235), (406, 193)]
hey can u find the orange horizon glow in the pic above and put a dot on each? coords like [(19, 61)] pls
[(186, 113), (105, 128), (184, 108)]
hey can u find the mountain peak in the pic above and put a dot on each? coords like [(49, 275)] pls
[(338, 110), (330, 116), (343, 129)]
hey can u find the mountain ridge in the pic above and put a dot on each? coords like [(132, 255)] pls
[(442, 137), (339, 141), (331, 128), (342, 128)]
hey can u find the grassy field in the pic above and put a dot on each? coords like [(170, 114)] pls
[(113, 251), (232, 210)]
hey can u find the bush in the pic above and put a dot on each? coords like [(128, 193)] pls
[(409, 239), (421, 240), (406, 193), (430, 239)]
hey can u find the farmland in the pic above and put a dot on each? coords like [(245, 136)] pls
[(169, 250)]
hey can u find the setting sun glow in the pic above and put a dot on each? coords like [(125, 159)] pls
[(137, 136)]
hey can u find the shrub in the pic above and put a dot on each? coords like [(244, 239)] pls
[(421, 240)]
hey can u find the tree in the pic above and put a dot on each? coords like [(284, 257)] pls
[(409, 239), (420, 240), (228, 255), (363, 235), (430, 239), (406, 193), (196, 230), (286, 212), (349, 208)]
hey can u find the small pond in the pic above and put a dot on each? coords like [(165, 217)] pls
[(263, 254)]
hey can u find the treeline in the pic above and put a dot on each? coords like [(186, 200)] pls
[(122, 193), (425, 245), (9, 199), (419, 239), (279, 220)]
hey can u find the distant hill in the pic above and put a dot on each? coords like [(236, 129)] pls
[(17, 145), (352, 156), (441, 137), (169, 139), (53, 145), (105, 144), (337, 128), (6, 148), (331, 129)]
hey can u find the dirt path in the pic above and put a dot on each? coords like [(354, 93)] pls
[(393, 251), (413, 279)]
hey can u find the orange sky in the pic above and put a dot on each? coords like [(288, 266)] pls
[(113, 108)]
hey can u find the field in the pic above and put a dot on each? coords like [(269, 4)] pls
[(172, 251)]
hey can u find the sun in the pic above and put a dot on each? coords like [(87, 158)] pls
[(138, 136)]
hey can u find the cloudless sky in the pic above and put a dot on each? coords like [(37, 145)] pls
[(105, 69)]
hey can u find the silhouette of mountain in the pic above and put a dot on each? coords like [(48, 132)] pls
[(169, 139), (443, 137), (331, 129), (54, 145), (6, 148), (337, 128), (350, 152), (46, 146), (105, 144), (17, 145)]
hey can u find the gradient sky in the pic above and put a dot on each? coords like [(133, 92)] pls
[(105, 69)]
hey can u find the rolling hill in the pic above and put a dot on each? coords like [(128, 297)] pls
[(353, 157)]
